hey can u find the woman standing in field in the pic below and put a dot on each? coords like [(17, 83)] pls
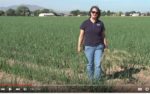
[(92, 37)]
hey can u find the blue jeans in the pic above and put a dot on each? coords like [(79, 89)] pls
[(94, 57)]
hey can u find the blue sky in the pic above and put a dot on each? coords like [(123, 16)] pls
[(67, 5)]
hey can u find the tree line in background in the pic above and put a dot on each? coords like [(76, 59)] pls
[(25, 11), (109, 13)]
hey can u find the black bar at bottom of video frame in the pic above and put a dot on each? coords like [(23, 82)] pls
[(77, 89)]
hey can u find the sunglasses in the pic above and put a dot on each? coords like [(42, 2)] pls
[(94, 12)]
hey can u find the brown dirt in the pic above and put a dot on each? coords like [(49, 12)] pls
[(114, 62), (124, 84), (6, 78)]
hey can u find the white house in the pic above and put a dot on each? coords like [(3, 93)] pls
[(135, 14), (123, 15), (46, 14)]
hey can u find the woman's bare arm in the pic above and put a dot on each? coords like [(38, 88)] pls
[(80, 40), (105, 40)]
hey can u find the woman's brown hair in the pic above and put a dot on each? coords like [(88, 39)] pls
[(98, 10)]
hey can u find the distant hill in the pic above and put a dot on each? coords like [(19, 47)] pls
[(31, 7)]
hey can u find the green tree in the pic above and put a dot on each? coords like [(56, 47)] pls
[(2, 13), (148, 14), (45, 11), (127, 13), (139, 13), (10, 12), (120, 13), (108, 13), (131, 12), (37, 12), (23, 11), (103, 13), (56, 14), (83, 13), (75, 12)]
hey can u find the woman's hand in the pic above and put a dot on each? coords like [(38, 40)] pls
[(79, 49), (105, 46)]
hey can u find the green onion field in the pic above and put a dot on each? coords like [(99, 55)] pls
[(43, 51)]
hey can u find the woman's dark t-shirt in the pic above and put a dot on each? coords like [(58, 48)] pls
[(93, 32)]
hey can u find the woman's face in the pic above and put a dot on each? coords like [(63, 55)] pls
[(94, 13)]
